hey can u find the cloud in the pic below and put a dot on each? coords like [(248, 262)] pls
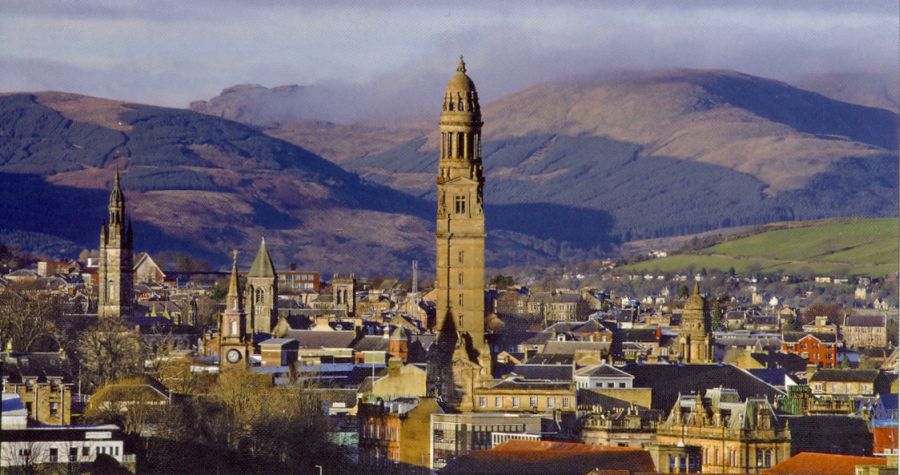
[(390, 59)]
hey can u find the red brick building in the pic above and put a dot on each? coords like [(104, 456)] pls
[(818, 348)]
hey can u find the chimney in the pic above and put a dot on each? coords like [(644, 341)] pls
[(658, 333), (387, 331), (293, 265)]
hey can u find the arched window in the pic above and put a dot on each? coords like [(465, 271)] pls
[(260, 295), (460, 203), (460, 278), (462, 255)]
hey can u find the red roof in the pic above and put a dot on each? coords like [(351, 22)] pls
[(536, 456), (884, 438), (811, 463)]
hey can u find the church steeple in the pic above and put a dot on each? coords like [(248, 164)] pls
[(262, 292), (234, 342), (233, 299), (115, 273)]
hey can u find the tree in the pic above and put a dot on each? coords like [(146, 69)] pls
[(683, 291), (25, 319), (834, 313), (108, 351)]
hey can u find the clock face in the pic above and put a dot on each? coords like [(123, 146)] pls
[(233, 356)]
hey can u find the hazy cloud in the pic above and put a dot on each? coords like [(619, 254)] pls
[(390, 59)]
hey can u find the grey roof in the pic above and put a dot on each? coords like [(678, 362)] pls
[(372, 343), (262, 263), (845, 375), (864, 321), (522, 383), (792, 337), (277, 341), (570, 347), (322, 339), (543, 371), (43, 366), (603, 371), (667, 381)]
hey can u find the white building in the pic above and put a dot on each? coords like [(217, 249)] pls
[(604, 376)]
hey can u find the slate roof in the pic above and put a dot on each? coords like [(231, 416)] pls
[(542, 371), (668, 380), (829, 434), (522, 383), (42, 366), (845, 375), (864, 321), (322, 339), (603, 371), (823, 464), (262, 263), (793, 337), (542, 457), (788, 361), (372, 343), (551, 359), (642, 335), (570, 347)]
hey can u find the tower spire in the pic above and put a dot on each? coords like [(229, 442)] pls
[(234, 295), (461, 66)]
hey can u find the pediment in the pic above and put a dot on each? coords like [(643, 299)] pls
[(460, 181)]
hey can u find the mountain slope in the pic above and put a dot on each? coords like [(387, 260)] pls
[(206, 185), (674, 152), (837, 247)]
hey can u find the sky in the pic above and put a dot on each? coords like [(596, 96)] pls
[(391, 58)]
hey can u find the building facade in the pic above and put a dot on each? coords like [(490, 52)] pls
[(865, 331), (115, 278), (719, 433)]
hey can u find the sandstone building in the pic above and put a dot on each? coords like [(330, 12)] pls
[(234, 343), (694, 337), (115, 289), (461, 358)]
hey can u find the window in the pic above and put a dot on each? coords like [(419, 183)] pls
[(461, 321), (460, 278), (515, 401), (460, 202), (24, 452), (498, 401), (482, 401), (54, 455), (565, 403), (460, 299), (54, 408), (551, 402), (85, 451), (621, 385), (73, 454), (462, 256), (532, 401)]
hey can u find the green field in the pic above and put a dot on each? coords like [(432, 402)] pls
[(849, 247)]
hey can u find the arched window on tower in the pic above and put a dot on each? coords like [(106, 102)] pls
[(260, 295), (462, 256), (460, 278), (459, 145)]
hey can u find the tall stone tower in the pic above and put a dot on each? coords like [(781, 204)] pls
[(234, 343), (115, 276), (343, 289), (461, 358), (262, 292), (694, 338)]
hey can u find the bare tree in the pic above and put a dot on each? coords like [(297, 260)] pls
[(108, 351), (27, 318)]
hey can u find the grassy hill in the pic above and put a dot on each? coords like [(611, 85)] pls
[(844, 247)]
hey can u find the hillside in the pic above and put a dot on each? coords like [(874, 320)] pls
[(206, 185), (674, 152), (841, 247)]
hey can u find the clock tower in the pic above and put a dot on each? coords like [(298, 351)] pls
[(234, 343)]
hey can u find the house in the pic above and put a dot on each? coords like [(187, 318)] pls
[(27, 447), (147, 271), (43, 382), (516, 394), (455, 435), (603, 376), (821, 325), (396, 432), (817, 348), (865, 331), (852, 382)]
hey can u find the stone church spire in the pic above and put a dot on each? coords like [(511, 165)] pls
[(234, 343), (261, 304), (115, 288), (461, 356)]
